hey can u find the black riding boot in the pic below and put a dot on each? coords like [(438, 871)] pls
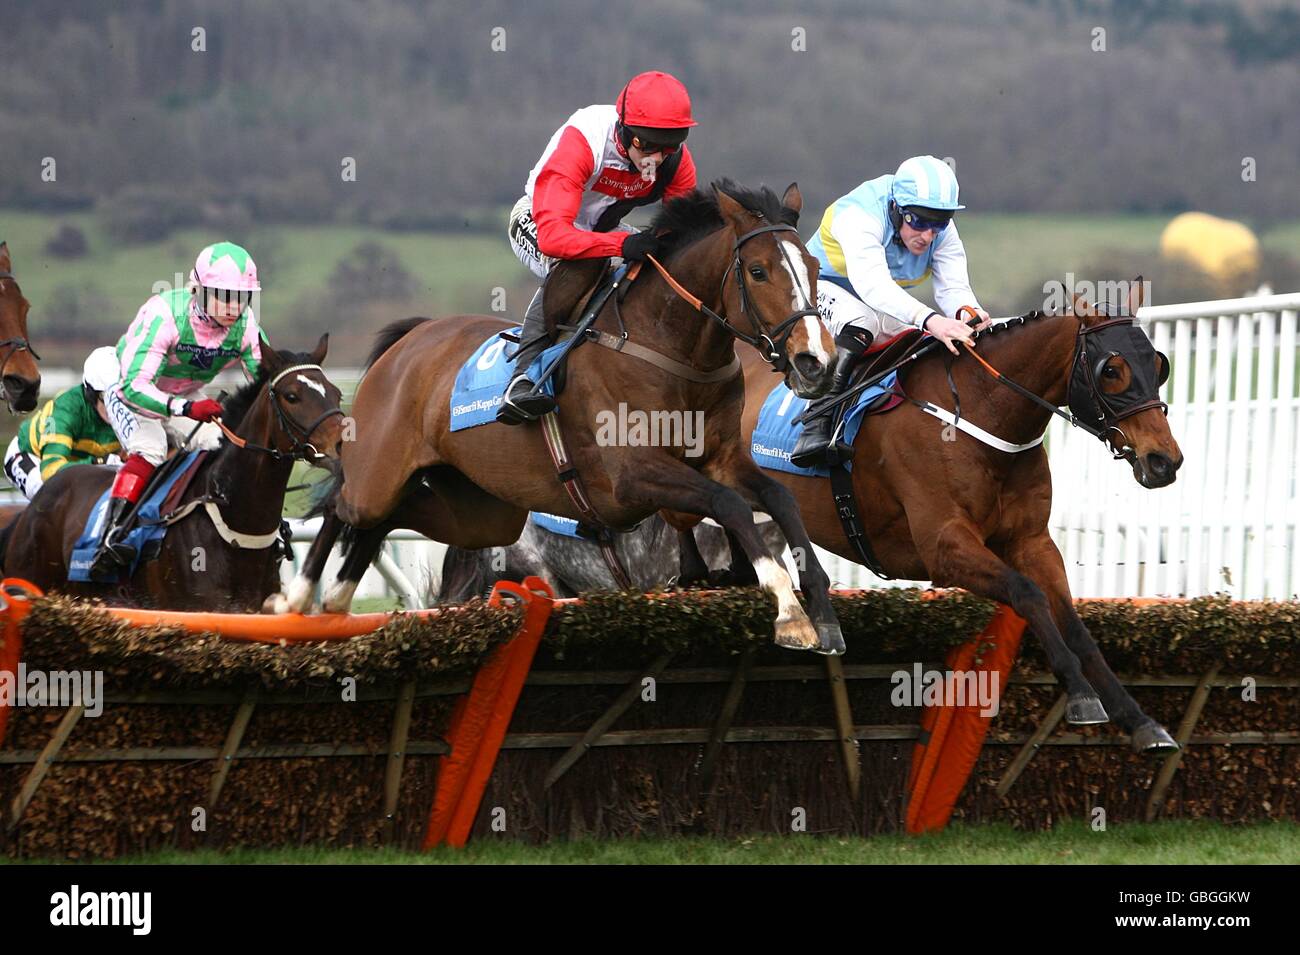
[(813, 449), (113, 555), (523, 400)]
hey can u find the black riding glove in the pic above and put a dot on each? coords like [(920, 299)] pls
[(640, 244)]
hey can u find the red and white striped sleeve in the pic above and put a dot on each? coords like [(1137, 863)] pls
[(557, 197)]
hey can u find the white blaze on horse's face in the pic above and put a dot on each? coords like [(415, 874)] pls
[(315, 386), (801, 297)]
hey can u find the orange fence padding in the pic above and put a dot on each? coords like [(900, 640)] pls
[(952, 736), (479, 721), (942, 760), (15, 601)]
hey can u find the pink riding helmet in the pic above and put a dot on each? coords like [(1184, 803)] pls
[(226, 266)]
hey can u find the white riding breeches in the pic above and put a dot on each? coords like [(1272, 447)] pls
[(840, 308), (147, 436)]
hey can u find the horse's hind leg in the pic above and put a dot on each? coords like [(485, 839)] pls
[(1039, 559), (957, 557)]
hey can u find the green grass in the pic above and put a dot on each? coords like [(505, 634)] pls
[(452, 271), (1074, 843), (1010, 254)]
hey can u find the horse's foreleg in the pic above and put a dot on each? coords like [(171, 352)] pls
[(297, 597), (660, 481), (775, 498), (692, 569), (957, 557), (1039, 559), (361, 547)]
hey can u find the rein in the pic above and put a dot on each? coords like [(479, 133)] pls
[(301, 446), (770, 344), (1108, 416)]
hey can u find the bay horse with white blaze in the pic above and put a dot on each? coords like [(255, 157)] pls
[(230, 515), (736, 258), (961, 513)]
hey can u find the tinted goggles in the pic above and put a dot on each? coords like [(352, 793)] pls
[(923, 223), (226, 297), (650, 148)]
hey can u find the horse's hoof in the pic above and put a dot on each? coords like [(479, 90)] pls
[(1085, 711), (301, 590), (830, 639), (275, 604), (1154, 740), (797, 633)]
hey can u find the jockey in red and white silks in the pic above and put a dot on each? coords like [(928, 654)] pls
[(602, 163)]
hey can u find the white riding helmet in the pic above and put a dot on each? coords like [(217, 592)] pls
[(102, 369)]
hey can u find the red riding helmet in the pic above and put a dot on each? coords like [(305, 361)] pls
[(658, 104)]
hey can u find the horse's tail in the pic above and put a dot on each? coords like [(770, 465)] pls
[(326, 492), (465, 574), (390, 335)]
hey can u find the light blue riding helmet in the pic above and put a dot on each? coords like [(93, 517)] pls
[(925, 181)]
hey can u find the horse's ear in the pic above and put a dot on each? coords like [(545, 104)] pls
[(322, 346), (1136, 295), (732, 211), (271, 360), (5, 264), (1079, 306), (793, 198)]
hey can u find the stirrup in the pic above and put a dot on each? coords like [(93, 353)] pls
[(111, 558), (529, 405)]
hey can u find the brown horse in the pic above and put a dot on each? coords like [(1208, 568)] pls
[(289, 412), (948, 508), (737, 251), (20, 379)]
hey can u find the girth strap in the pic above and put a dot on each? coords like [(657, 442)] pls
[(573, 486), (846, 509)]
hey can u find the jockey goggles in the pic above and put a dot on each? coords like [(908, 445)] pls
[(927, 220), (650, 148), (226, 296)]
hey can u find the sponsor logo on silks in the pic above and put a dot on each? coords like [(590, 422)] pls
[(75, 907), (203, 357)]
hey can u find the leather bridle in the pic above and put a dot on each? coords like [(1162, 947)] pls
[(770, 343)]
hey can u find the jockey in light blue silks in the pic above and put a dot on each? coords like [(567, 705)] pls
[(884, 238)]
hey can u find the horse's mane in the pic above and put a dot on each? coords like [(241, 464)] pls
[(236, 406), (695, 215), (1017, 322)]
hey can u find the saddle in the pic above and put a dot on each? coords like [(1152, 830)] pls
[(573, 295)]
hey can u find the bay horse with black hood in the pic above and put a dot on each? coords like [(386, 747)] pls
[(934, 502), (738, 270)]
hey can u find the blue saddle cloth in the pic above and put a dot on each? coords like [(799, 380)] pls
[(556, 524), (776, 434), (477, 392), (145, 531)]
